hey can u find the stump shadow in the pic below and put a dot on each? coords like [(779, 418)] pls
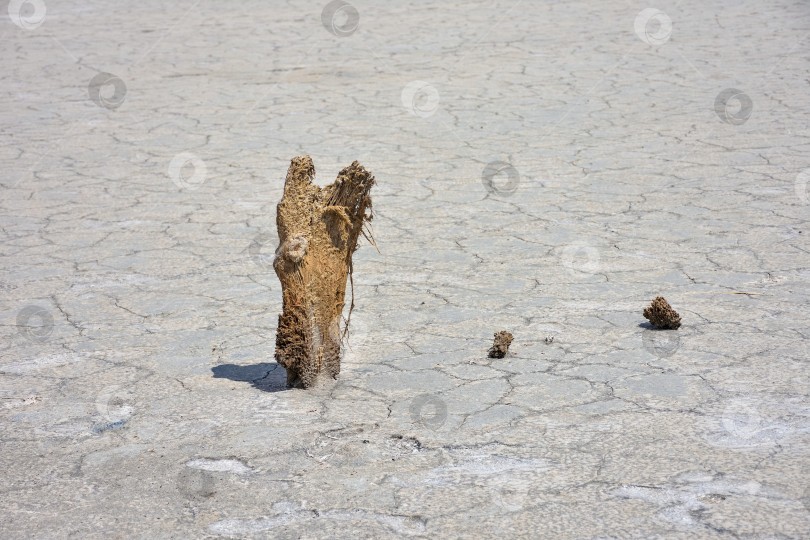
[(267, 376)]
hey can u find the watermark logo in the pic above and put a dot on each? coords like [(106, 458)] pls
[(420, 98), (733, 106), (261, 251), (660, 343), (500, 178), (107, 90), (653, 26), (115, 404), (742, 419), (340, 18), (187, 171), (581, 258), (35, 323), (429, 411), (27, 14)]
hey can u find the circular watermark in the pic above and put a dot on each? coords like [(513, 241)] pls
[(107, 90), (653, 26), (27, 14), (261, 251), (420, 98), (493, 174), (340, 18), (115, 404), (187, 171), (581, 258), (741, 419), (733, 106), (429, 411), (661, 343), (323, 449), (35, 323), (802, 179)]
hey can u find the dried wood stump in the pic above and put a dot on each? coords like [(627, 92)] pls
[(318, 230)]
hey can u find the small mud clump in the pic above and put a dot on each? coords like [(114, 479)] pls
[(502, 341), (661, 315)]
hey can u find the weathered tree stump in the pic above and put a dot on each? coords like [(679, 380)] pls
[(318, 230)]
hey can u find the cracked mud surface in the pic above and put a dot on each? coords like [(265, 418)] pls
[(540, 168)]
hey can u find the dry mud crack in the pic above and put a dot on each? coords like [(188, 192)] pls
[(547, 168)]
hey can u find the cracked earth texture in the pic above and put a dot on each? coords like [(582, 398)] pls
[(544, 168)]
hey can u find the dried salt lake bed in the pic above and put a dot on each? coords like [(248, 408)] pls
[(542, 168)]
